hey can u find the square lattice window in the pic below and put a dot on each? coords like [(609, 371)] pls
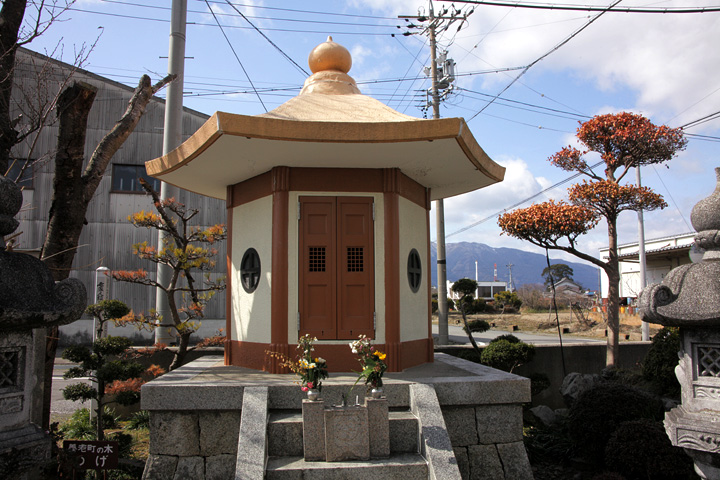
[(708, 359), (9, 368), (354, 259), (316, 259)]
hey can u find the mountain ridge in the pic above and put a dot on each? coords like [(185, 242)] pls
[(527, 267)]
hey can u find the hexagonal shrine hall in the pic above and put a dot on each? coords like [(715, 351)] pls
[(328, 200)]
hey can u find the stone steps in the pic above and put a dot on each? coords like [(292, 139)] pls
[(285, 437), (411, 466)]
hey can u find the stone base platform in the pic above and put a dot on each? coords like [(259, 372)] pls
[(214, 421)]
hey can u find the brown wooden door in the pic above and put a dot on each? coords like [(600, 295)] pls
[(337, 294)]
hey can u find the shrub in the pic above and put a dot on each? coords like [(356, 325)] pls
[(508, 298), (79, 427), (506, 354), (477, 306), (139, 420), (661, 360), (656, 458), (477, 326), (539, 382), (598, 412)]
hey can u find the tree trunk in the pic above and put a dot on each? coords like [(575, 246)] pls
[(67, 212), (11, 16), (72, 193), (181, 351), (613, 307)]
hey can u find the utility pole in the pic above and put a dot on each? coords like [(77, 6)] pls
[(510, 283), (645, 328), (434, 24), (172, 138)]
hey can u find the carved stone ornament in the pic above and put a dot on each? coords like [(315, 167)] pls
[(29, 297), (689, 298)]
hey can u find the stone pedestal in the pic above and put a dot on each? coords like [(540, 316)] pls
[(313, 430), (346, 433), (379, 423)]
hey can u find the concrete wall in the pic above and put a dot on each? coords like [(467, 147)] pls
[(581, 358), (413, 306)]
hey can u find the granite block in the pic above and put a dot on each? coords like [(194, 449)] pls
[(461, 425), (515, 461), (190, 467), (404, 433), (485, 463), (435, 443), (221, 467), (313, 413), (379, 426), (174, 433), (160, 467), (499, 423), (219, 432), (285, 435), (250, 459), (346, 434), (461, 455)]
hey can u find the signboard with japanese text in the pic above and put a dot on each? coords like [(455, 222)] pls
[(93, 455)]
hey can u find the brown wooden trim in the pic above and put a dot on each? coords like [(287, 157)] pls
[(228, 280), (279, 279), (415, 352), (392, 267), (354, 180), (251, 189), (428, 272), (338, 356), (336, 179)]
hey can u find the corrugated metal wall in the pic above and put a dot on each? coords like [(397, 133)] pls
[(108, 237)]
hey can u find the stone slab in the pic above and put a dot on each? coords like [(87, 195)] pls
[(515, 461), (160, 467), (485, 463), (397, 467), (252, 441), (499, 423), (461, 425), (220, 467), (313, 430), (461, 455), (174, 433), (219, 432), (190, 467), (379, 425), (285, 435), (435, 443), (404, 433), (346, 434)]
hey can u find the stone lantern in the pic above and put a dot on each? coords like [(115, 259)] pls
[(689, 298), (30, 301), (328, 199)]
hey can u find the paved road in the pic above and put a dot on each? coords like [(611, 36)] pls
[(58, 404), (457, 335)]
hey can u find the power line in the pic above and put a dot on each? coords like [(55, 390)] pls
[(304, 11), (236, 55), (268, 39), (591, 8), (554, 49), (472, 225)]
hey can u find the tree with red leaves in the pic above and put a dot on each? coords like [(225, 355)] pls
[(624, 141), (185, 250)]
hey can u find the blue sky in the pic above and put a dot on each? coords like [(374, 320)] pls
[(663, 66)]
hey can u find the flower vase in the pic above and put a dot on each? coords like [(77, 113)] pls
[(313, 394), (377, 392)]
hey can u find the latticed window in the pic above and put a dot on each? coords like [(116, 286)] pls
[(316, 259), (708, 362), (354, 259), (9, 367)]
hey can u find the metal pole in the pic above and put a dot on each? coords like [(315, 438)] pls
[(172, 138), (439, 204), (645, 329), (477, 288)]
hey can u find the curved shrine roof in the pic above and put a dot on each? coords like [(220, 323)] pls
[(329, 124)]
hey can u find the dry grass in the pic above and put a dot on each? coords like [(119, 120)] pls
[(545, 323)]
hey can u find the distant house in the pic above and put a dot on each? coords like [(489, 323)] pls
[(661, 255), (108, 237), (486, 290), (567, 285)]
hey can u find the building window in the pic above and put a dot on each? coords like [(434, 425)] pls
[(16, 165), (125, 179), (414, 270), (250, 270)]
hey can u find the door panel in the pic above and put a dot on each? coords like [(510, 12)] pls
[(336, 291), (317, 267)]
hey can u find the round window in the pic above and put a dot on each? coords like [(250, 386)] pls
[(414, 270), (250, 270)]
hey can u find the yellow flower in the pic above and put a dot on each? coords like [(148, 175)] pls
[(381, 355)]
